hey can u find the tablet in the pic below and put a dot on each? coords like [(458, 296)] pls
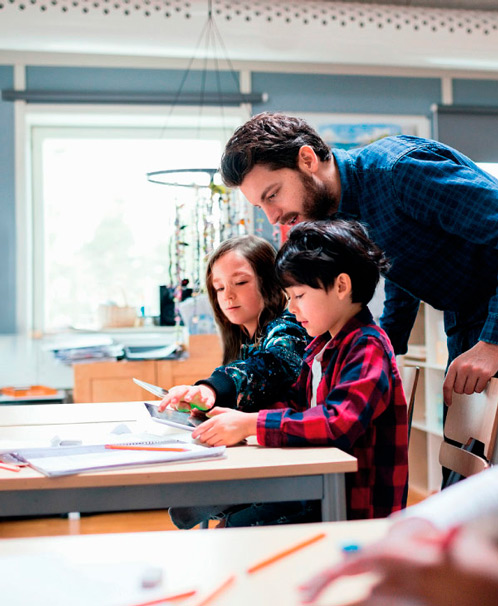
[(175, 418)]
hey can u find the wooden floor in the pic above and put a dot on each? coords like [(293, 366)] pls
[(137, 521)]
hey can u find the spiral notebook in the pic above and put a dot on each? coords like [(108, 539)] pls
[(69, 460)]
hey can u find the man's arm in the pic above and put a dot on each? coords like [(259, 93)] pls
[(462, 201), (398, 316)]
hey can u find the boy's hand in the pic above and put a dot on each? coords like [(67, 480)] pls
[(183, 397), (226, 427)]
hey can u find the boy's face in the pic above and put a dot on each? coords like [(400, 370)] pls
[(319, 310)]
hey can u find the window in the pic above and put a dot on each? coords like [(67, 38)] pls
[(103, 234), (489, 167)]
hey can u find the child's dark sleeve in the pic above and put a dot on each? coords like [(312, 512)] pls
[(267, 372), (362, 391)]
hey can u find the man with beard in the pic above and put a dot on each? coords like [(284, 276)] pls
[(430, 208)]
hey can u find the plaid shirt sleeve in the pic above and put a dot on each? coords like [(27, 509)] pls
[(361, 392)]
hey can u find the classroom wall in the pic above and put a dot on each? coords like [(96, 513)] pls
[(293, 92)]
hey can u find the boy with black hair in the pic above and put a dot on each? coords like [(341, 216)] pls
[(349, 391)]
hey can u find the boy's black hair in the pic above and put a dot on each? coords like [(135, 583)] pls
[(315, 253)]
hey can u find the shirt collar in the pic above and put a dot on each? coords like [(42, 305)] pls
[(348, 206), (362, 318)]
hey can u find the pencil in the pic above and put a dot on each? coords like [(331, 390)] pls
[(156, 448), (217, 591), (443, 540), (285, 553), (168, 598), (9, 467)]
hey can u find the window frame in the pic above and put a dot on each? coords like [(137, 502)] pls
[(90, 121)]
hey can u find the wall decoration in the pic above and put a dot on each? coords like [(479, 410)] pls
[(346, 131)]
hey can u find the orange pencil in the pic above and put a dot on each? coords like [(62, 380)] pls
[(217, 592), (285, 553), (9, 467), (168, 598), (156, 448)]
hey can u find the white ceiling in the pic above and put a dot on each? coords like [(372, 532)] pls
[(403, 34)]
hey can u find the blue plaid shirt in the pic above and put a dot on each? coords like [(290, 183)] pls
[(435, 215)]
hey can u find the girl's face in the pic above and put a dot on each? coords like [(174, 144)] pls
[(319, 310), (237, 290)]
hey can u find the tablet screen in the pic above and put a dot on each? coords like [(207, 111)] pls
[(175, 418)]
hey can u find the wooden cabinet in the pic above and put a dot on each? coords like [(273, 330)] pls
[(112, 381)]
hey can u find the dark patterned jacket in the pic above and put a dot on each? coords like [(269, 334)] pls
[(265, 370)]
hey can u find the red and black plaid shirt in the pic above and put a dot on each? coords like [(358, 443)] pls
[(361, 409)]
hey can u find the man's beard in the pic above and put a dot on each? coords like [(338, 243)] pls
[(319, 202)]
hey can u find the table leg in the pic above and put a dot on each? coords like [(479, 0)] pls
[(334, 497)]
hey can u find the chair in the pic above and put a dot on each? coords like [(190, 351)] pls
[(410, 382), (471, 417)]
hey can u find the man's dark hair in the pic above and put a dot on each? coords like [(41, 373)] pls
[(315, 253), (270, 139)]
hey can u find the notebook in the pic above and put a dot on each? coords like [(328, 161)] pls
[(69, 460)]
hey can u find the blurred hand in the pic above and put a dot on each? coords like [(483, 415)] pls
[(426, 568)]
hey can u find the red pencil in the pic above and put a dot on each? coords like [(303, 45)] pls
[(9, 467)]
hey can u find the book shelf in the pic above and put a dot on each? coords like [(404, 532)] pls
[(426, 349)]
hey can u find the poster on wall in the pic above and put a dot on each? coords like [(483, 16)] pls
[(347, 131)]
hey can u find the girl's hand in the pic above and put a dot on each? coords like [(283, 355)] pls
[(182, 397), (175, 398), (226, 427)]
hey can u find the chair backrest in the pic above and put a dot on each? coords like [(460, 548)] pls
[(471, 417), (410, 382)]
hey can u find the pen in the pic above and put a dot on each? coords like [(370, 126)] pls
[(156, 448), (285, 553)]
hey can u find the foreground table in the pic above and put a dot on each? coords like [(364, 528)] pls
[(246, 474), (105, 570)]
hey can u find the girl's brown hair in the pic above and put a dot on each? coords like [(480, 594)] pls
[(261, 256)]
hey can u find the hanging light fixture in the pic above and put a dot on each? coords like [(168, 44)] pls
[(210, 212), (185, 177), (212, 42)]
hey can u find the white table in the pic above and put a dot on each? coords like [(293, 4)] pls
[(70, 570), (247, 473)]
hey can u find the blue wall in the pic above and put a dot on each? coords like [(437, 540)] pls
[(475, 92), (126, 80), (7, 210), (346, 94), (289, 92)]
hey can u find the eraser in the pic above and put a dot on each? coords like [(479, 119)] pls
[(152, 577)]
